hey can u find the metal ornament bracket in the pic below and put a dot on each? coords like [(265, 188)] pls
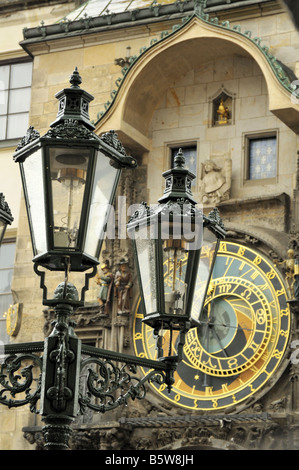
[(52, 373), (74, 300)]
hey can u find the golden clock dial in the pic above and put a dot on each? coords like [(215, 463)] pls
[(241, 337)]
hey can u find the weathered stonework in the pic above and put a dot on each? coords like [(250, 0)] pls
[(152, 108)]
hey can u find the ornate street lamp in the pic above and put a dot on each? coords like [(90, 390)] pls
[(6, 217), (175, 248), (69, 180), (70, 176)]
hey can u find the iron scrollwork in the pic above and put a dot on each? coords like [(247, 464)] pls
[(109, 385), (18, 373)]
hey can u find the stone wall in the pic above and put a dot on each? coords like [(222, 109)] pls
[(183, 115)]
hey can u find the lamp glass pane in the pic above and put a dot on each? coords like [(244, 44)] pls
[(175, 260), (35, 193), (205, 267), (68, 169), (181, 237), (146, 253), (105, 179)]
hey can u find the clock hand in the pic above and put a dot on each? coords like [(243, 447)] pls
[(226, 326), (214, 332), (206, 312)]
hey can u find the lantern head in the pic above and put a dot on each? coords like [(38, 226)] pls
[(69, 178), (175, 247)]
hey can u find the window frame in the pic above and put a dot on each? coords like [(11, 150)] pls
[(170, 146), (10, 63), (247, 138)]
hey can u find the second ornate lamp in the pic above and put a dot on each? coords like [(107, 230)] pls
[(175, 247)]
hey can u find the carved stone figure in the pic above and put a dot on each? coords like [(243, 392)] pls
[(105, 281), (123, 282), (215, 183), (289, 265)]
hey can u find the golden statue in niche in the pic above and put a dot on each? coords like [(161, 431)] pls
[(215, 182), (223, 113)]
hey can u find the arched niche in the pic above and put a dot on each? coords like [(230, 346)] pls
[(222, 108), (147, 80)]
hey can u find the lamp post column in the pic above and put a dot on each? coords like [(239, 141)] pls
[(60, 374)]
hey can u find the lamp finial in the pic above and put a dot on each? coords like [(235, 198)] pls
[(75, 79), (179, 159)]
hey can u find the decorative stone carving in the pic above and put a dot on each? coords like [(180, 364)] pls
[(288, 267), (86, 317), (215, 182), (123, 282), (278, 405), (235, 432), (49, 317), (105, 281)]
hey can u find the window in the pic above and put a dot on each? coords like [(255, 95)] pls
[(7, 257), (15, 91), (190, 154), (261, 157)]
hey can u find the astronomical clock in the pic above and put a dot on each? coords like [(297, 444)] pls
[(238, 342)]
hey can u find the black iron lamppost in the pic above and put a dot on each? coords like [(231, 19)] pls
[(69, 179), (6, 217)]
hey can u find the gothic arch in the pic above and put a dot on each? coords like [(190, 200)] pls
[(172, 55)]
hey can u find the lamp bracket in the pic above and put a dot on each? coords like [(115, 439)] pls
[(16, 380), (108, 383), (111, 381), (71, 300)]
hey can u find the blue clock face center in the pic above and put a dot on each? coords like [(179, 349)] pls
[(219, 326)]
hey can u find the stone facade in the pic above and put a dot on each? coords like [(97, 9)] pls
[(164, 100)]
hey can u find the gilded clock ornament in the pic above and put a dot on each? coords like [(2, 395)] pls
[(238, 342), (13, 319)]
